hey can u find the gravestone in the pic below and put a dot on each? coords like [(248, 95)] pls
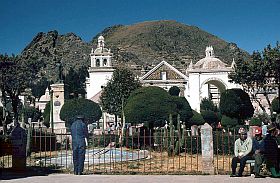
[(207, 149), (19, 140)]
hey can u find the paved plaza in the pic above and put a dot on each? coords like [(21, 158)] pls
[(70, 178)]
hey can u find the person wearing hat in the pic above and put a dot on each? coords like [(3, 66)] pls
[(272, 151), (242, 152), (258, 150), (79, 133)]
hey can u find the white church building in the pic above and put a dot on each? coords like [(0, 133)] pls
[(205, 79)]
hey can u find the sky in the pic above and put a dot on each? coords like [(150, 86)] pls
[(251, 24)]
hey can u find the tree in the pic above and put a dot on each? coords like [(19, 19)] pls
[(207, 104), (174, 91), (260, 75), (229, 122), (74, 83), (210, 117), (117, 91), (196, 119), (46, 114), (235, 103), (30, 112), (39, 88), (149, 105), (182, 110), (80, 106), (275, 105), (16, 74)]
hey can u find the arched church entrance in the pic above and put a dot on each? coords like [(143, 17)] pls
[(212, 89)]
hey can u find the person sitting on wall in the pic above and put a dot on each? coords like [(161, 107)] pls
[(272, 151), (258, 150), (242, 152)]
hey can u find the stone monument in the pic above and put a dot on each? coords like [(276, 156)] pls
[(19, 140), (57, 99), (207, 149)]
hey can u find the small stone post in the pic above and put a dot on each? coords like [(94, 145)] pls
[(207, 149)]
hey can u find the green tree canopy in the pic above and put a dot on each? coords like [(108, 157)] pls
[(80, 106), (16, 75), (196, 119), (174, 91), (38, 88), (74, 83), (228, 122), (117, 90), (210, 117), (30, 112), (260, 75), (150, 105), (275, 105), (235, 103), (182, 107), (207, 104)]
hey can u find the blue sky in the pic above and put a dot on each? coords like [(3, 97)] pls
[(252, 24)]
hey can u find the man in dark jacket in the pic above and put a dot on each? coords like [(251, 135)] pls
[(79, 133), (258, 150), (272, 150)]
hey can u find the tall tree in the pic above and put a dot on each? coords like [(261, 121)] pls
[(259, 75), (149, 105), (117, 91), (16, 75), (235, 103), (74, 82)]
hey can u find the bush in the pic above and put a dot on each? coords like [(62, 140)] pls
[(71, 108), (46, 114), (208, 105), (236, 103), (275, 105), (210, 117), (197, 119), (30, 112), (228, 122), (174, 91), (255, 122)]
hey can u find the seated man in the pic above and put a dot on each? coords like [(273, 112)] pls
[(272, 151), (242, 152), (258, 150)]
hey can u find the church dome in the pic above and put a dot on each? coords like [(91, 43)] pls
[(210, 61)]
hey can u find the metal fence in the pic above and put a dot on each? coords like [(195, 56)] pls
[(147, 152)]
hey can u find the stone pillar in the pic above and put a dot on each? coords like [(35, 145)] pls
[(207, 149), (58, 101)]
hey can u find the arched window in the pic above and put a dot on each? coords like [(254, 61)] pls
[(105, 62), (97, 63)]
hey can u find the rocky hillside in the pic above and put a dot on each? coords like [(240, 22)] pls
[(145, 43)]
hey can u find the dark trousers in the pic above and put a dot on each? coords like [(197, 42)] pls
[(258, 162), (78, 158), (242, 162)]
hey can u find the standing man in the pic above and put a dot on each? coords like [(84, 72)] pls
[(242, 152), (258, 150), (79, 133), (272, 153)]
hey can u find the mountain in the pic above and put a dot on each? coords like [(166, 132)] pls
[(145, 43)]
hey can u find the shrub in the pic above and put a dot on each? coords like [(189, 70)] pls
[(210, 117), (228, 122), (197, 119), (174, 91), (255, 122), (71, 108), (275, 105)]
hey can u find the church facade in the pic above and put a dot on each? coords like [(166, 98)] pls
[(205, 79)]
